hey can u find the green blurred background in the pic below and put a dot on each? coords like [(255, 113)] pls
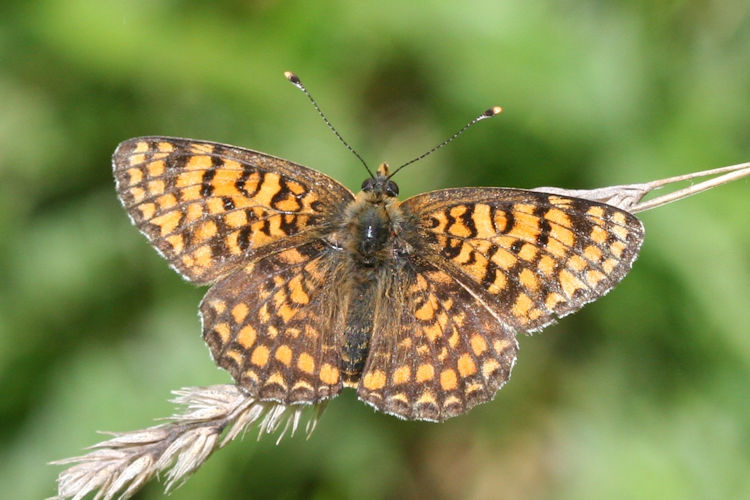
[(643, 394)]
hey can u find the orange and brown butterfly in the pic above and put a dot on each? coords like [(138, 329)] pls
[(415, 304)]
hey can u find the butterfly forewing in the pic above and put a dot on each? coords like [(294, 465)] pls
[(206, 206), (537, 255)]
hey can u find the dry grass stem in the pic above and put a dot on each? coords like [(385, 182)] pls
[(121, 465), (628, 196)]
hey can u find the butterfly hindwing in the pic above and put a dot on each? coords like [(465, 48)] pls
[(275, 324), (440, 352)]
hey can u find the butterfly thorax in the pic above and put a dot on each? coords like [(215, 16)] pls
[(369, 232), (369, 226)]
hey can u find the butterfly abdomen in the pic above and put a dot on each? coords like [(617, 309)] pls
[(357, 333)]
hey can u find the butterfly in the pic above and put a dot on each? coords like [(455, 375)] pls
[(415, 304)]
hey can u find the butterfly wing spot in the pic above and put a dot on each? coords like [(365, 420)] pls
[(448, 380), (284, 355), (570, 283), (425, 372), (594, 277), (205, 231), (528, 252), (239, 312), (576, 263), (529, 279), (596, 211), (246, 336), (329, 374), (490, 368), (598, 235), (275, 379), (593, 253), (148, 210), (466, 365), (306, 363), (558, 217), (259, 356), (165, 202), (401, 375), (619, 218), (374, 380), (609, 265), (617, 248), (478, 344), (522, 306), (222, 330), (553, 300)]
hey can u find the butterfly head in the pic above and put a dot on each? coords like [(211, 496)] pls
[(381, 184)]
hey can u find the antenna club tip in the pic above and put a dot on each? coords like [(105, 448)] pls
[(495, 110), (292, 77)]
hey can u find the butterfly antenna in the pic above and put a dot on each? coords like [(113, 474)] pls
[(496, 110), (298, 83)]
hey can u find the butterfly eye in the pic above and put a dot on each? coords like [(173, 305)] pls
[(391, 188), (368, 184)]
